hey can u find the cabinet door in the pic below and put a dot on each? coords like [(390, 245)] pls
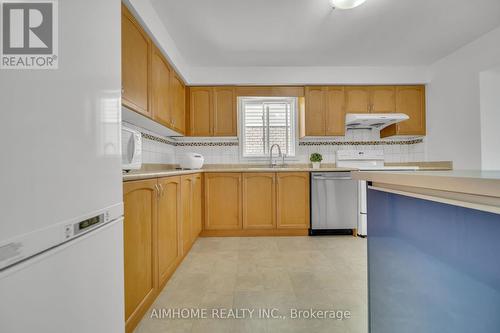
[(222, 201), (411, 101), (383, 99), (168, 227), (357, 99), (224, 116), (259, 201), (135, 65), (187, 214), (200, 111), (160, 84), (335, 115), (178, 94), (197, 206), (315, 111), (293, 200), (139, 227)]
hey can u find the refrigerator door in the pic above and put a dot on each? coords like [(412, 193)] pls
[(76, 287), (60, 134)]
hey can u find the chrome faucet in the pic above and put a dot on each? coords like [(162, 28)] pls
[(271, 161)]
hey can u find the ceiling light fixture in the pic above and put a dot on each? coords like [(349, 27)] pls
[(346, 4)]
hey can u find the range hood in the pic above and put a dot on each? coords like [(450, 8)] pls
[(373, 120)]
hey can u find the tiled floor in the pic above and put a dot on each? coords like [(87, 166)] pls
[(322, 273)]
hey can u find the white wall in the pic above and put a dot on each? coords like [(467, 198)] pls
[(148, 17), (490, 119), (308, 75), (453, 102)]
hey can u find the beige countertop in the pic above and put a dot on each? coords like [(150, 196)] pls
[(145, 174), (158, 171), (468, 182)]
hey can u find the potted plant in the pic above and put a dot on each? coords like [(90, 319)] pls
[(316, 159)]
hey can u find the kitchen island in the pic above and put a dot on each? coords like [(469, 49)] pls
[(432, 251)]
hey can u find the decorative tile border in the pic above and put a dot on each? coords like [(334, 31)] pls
[(148, 136), (207, 144), (362, 143), (306, 143)]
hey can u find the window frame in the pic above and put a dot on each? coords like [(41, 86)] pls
[(241, 124)]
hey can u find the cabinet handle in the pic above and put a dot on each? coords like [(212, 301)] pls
[(161, 190), (157, 191)]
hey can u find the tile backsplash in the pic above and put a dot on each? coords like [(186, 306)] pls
[(162, 150)]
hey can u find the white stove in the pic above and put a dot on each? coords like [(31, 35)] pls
[(371, 160)]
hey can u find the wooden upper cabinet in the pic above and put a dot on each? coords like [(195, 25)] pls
[(259, 200), (136, 50), (212, 111), (410, 100), (168, 227), (224, 111), (197, 206), (200, 111), (357, 99), (315, 111), (292, 191), (335, 114), (222, 201), (139, 227), (324, 111), (178, 93), (382, 99), (161, 88)]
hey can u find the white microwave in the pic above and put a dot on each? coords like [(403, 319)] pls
[(131, 149)]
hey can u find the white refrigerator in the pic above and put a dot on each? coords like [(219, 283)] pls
[(61, 210)]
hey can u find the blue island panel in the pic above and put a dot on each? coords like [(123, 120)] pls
[(432, 267)]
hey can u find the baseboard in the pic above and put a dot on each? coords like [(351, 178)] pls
[(254, 233)]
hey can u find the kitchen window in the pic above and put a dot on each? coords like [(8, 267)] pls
[(266, 121)]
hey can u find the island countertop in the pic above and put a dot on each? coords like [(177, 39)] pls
[(477, 183)]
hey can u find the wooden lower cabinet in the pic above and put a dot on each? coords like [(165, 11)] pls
[(187, 212), (292, 193), (168, 227), (139, 233), (222, 201), (153, 237), (197, 206), (259, 201), (265, 204)]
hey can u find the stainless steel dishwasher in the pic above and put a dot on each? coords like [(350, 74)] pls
[(334, 203)]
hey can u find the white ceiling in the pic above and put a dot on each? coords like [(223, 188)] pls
[(309, 33)]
